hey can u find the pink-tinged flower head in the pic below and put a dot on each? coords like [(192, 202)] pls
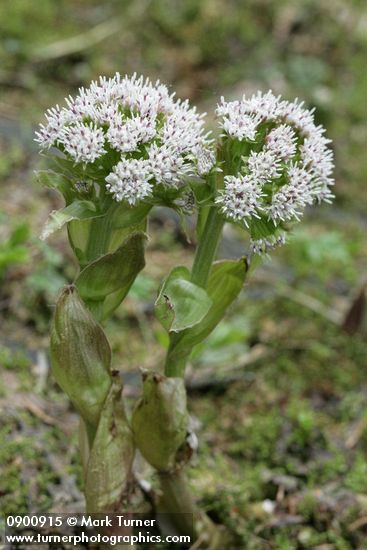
[(241, 198), (285, 156), (139, 120)]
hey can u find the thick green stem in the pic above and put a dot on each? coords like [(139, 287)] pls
[(177, 500), (99, 237), (175, 361), (183, 516), (207, 249)]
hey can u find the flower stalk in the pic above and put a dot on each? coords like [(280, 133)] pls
[(207, 248)]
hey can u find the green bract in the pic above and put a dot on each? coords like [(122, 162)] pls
[(77, 210), (80, 356), (104, 283), (107, 485), (225, 283), (160, 420), (180, 303)]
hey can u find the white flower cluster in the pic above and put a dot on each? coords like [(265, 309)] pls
[(287, 164), (263, 246), (159, 139)]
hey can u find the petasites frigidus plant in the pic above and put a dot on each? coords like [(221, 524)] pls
[(117, 150)]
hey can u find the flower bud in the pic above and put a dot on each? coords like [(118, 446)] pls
[(160, 420), (80, 355)]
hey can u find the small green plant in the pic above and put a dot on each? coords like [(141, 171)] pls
[(322, 256), (119, 149), (13, 250)]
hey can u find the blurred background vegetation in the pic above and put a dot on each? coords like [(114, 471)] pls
[(279, 392)]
